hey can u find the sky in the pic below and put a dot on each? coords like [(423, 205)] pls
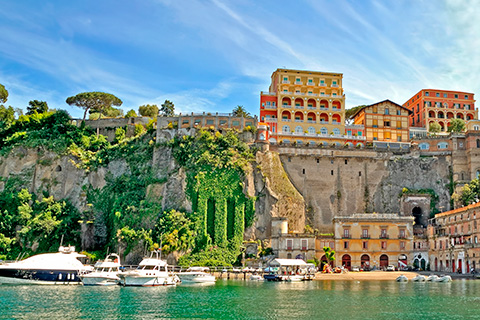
[(212, 55)]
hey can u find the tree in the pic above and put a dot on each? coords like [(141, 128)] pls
[(456, 125), (36, 106), (3, 94), (434, 128), (131, 114), (470, 193), (7, 115), (350, 112), (112, 112), (239, 111), (329, 254), (148, 110), (167, 109), (94, 101)]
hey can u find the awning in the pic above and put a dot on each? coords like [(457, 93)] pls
[(287, 262)]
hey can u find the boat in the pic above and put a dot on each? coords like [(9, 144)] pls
[(291, 270), (105, 272), (444, 279), (402, 278), (62, 267), (256, 277), (152, 271), (196, 275), (432, 278), (419, 278)]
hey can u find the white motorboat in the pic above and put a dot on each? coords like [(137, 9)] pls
[(151, 271), (196, 275), (256, 277), (105, 272), (432, 278), (62, 267), (444, 279), (419, 278), (402, 278), (294, 278)]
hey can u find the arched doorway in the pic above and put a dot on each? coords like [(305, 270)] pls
[(423, 264), (436, 264), (365, 262), (383, 261), (347, 261), (417, 214)]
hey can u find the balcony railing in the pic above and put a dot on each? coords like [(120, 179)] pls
[(300, 93), (286, 106), (365, 236), (310, 83), (335, 85), (285, 81), (347, 236), (299, 107), (311, 108), (311, 121), (312, 94), (270, 107), (322, 84), (323, 108), (298, 120), (384, 236), (298, 82), (285, 120), (271, 120)]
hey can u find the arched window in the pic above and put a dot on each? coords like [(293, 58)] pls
[(311, 130), (285, 129), (324, 131), (424, 146), (478, 143), (298, 129), (336, 131)]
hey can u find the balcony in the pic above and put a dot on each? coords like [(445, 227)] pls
[(347, 236), (285, 120), (323, 108), (298, 93), (402, 237), (298, 120), (304, 249), (311, 108), (322, 84), (324, 95), (289, 248), (384, 236), (286, 106), (270, 107), (365, 236), (286, 82), (271, 120), (310, 83), (312, 94), (335, 85), (299, 82), (299, 107), (323, 121), (311, 121)]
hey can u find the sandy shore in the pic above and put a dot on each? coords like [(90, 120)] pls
[(371, 275)]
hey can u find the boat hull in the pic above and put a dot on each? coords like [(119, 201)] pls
[(196, 278), (99, 280), (38, 276)]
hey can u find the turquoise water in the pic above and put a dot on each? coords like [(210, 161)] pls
[(236, 299)]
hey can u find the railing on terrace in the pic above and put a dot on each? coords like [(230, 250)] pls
[(298, 120), (268, 93), (310, 83), (300, 93), (271, 120), (285, 81), (311, 108), (298, 82), (270, 107), (322, 84), (286, 106), (312, 94), (286, 92), (311, 121), (285, 120), (323, 108), (299, 107)]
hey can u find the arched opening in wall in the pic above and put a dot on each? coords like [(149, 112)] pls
[(423, 264), (211, 219), (289, 256), (58, 169), (417, 214), (347, 261), (230, 218), (436, 264), (383, 261), (365, 261)]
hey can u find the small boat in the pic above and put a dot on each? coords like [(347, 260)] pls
[(196, 275), (256, 277), (419, 278), (62, 267), (151, 271), (432, 278), (295, 278), (402, 278), (444, 279), (105, 272)]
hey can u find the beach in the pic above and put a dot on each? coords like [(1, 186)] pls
[(370, 275)]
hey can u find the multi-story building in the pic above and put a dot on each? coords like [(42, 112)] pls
[(306, 106), (454, 240), (287, 245), (373, 240), (384, 121), (441, 106)]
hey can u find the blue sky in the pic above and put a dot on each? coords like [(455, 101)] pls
[(211, 55)]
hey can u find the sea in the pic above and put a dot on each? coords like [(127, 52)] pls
[(238, 299)]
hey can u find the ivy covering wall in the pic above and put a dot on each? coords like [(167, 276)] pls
[(216, 166)]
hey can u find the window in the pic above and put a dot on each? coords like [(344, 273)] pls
[(375, 123), (286, 129), (209, 121), (386, 123), (311, 130), (298, 129), (374, 109), (386, 135), (235, 123), (365, 245), (402, 245), (310, 81), (418, 107), (399, 112), (375, 136), (185, 122), (401, 233), (336, 131), (289, 244), (324, 131), (345, 245), (387, 111), (426, 93), (442, 145), (364, 233), (466, 96), (437, 94), (399, 138), (384, 245), (444, 95), (383, 233), (304, 244), (456, 96)]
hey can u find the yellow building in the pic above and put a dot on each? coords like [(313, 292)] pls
[(310, 105), (372, 240), (384, 121)]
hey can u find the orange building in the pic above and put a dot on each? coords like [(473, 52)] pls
[(306, 107), (384, 121), (441, 106)]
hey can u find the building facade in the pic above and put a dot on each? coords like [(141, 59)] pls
[(440, 106), (371, 240), (306, 107), (287, 245), (454, 240), (384, 121)]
